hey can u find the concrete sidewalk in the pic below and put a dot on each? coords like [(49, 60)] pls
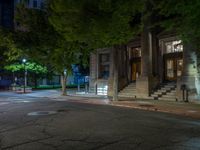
[(180, 108)]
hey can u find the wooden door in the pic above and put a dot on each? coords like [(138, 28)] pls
[(173, 68), (134, 71)]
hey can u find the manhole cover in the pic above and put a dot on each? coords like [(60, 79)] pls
[(146, 105), (42, 113)]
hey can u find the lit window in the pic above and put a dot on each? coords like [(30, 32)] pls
[(135, 52), (174, 46), (170, 69)]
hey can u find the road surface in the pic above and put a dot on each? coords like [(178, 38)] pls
[(45, 123)]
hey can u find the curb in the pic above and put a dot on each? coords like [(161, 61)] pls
[(185, 114)]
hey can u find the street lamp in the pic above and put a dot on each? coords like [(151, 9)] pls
[(25, 79)]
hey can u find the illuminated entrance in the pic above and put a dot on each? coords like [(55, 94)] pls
[(173, 68), (173, 62), (135, 61)]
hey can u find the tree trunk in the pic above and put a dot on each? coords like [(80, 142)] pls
[(115, 73), (63, 83)]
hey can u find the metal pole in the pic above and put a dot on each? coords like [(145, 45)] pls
[(78, 86), (24, 78)]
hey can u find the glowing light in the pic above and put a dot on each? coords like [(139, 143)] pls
[(24, 60)]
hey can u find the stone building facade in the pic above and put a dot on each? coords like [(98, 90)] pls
[(151, 66)]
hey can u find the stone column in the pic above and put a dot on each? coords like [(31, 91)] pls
[(189, 74), (142, 83), (93, 72), (115, 73)]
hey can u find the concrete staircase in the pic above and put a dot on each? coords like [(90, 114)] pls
[(166, 92), (129, 91)]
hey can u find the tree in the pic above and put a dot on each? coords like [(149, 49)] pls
[(33, 68), (98, 23), (30, 66), (8, 49), (177, 16), (183, 17), (42, 43)]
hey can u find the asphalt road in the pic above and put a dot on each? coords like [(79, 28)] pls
[(73, 125)]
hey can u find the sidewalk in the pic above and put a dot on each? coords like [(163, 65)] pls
[(180, 108)]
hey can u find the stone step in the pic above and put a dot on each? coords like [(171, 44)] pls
[(128, 90), (159, 93), (170, 86), (166, 88), (162, 91), (171, 93), (149, 97), (131, 86), (154, 95), (169, 96), (127, 96), (167, 99), (154, 98)]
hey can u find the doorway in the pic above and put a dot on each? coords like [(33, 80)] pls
[(173, 68), (135, 70)]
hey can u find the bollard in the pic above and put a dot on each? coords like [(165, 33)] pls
[(186, 99), (183, 88)]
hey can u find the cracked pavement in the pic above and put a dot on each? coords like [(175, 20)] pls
[(84, 126)]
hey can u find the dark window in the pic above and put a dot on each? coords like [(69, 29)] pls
[(27, 2), (104, 66), (35, 4), (0, 14), (42, 5)]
